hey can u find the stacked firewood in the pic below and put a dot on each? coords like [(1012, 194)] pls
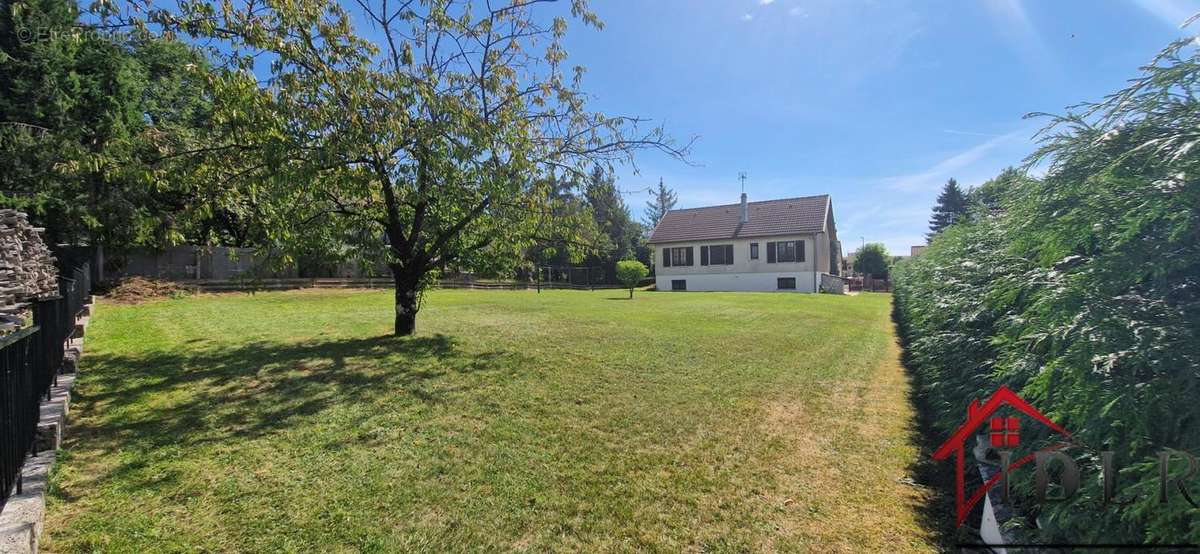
[(27, 269)]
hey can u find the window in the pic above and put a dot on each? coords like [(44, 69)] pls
[(754, 251), (785, 283), (678, 284), (677, 256), (716, 255), (785, 251)]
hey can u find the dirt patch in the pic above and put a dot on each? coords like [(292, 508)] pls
[(136, 290)]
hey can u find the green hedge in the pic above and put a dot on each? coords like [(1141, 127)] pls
[(1081, 291)]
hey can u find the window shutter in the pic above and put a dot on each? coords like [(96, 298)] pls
[(703, 255), (800, 251), (770, 252), (689, 256), (666, 257), (728, 254)]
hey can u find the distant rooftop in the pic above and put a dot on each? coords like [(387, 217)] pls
[(786, 216)]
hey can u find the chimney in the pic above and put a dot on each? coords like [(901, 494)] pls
[(745, 210)]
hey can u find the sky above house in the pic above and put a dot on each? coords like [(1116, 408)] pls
[(876, 103)]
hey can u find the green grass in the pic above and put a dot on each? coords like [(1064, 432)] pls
[(563, 420)]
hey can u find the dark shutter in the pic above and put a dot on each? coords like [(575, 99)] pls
[(770, 252), (666, 257), (728, 254), (703, 255), (799, 251), (689, 256)]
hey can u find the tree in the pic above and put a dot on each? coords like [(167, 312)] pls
[(872, 259), (612, 219), (428, 138), (84, 114), (630, 272), (662, 201), (951, 206)]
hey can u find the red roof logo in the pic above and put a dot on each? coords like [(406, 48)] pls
[(1004, 432)]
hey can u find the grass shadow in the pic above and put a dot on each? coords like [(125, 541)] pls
[(937, 515), (152, 403)]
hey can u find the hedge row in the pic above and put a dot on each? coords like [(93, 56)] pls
[(1080, 290)]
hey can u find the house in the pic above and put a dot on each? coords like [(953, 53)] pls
[(916, 250), (789, 244)]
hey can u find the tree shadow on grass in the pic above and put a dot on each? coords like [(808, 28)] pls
[(193, 396)]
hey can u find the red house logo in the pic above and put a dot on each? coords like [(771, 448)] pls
[(1003, 432)]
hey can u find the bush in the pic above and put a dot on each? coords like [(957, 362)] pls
[(1081, 291), (629, 272)]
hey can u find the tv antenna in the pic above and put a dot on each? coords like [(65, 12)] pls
[(742, 178)]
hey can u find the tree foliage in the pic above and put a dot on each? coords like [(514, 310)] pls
[(630, 272), (951, 207), (872, 259), (1081, 291), (662, 200), (424, 139), (88, 119)]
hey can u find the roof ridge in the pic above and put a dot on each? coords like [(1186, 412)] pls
[(754, 202)]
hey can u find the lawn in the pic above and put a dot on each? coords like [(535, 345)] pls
[(564, 420)]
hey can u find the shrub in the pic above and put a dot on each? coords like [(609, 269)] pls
[(1081, 291), (629, 272)]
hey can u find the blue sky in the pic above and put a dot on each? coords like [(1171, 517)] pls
[(874, 102)]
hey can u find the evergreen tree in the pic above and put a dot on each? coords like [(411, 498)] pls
[(951, 206), (612, 220), (662, 201), (91, 123)]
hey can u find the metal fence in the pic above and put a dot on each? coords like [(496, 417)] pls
[(30, 361)]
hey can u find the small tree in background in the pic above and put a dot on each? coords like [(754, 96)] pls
[(630, 272), (951, 207), (662, 201), (872, 260)]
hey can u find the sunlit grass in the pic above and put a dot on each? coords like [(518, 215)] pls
[(565, 420)]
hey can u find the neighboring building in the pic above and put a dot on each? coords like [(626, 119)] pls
[(783, 244), (916, 250)]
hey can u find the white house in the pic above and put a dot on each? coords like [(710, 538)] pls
[(789, 244)]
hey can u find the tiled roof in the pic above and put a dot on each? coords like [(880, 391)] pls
[(787, 216)]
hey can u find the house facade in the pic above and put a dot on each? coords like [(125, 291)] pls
[(775, 245)]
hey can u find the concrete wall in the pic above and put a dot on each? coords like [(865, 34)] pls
[(832, 284), (762, 281), (745, 274)]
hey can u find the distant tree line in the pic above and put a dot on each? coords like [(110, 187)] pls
[(601, 230)]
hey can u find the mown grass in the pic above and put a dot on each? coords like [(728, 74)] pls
[(514, 421)]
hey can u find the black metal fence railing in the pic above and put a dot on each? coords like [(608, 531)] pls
[(30, 361), (18, 403)]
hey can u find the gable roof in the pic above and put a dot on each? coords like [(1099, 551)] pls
[(786, 216)]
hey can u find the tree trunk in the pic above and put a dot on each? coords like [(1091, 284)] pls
[(630, 293), (406, 303)]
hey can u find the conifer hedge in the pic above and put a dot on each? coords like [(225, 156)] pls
[(1080, 290)]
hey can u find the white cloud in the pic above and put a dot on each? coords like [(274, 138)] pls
[(939, 172), (797, 11), (747, 17), (766, 2)]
